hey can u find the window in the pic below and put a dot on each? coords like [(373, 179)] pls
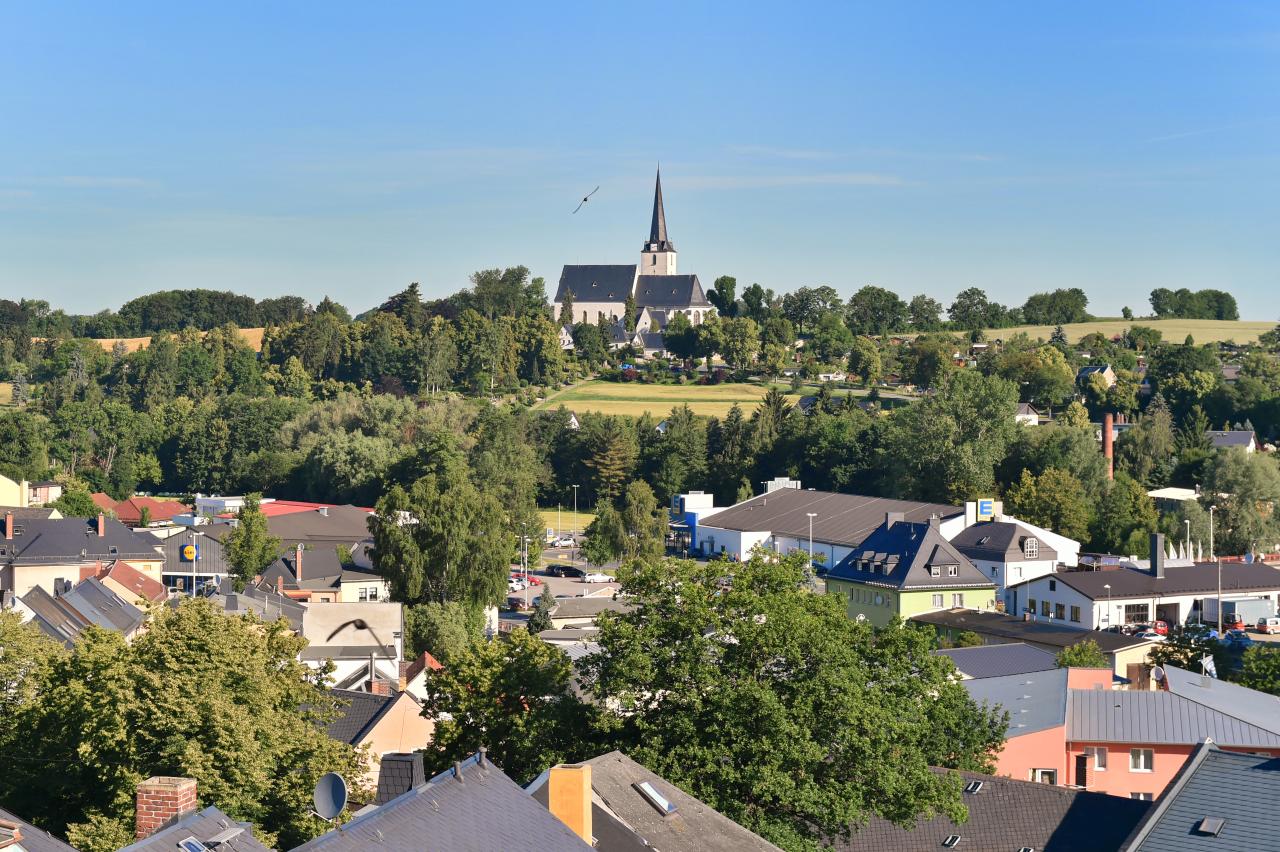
[(1075, 614), (1044, 776), (1044, 608), (1031, 605), (1097, 757), (993, 571), (1031, 548), (953, 570), (364, 593), (1136, 613), (1141, 759), (937, 601), (935, 571), (1141, 797), (1053, 585), (1060, 611)]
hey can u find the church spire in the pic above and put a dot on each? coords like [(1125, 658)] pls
[(658, 227)]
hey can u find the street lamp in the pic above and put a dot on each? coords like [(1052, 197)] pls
[(1107, 586), (811, 515), (1188, 523), (1212, 553), (573, 548)]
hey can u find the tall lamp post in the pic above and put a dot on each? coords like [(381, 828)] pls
[(811, 515), (1189, 556), (1213, 554), (573, 549), (1107, 586)]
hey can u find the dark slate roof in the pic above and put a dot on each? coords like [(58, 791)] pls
[(1034, 632), (103, 607), (1248, 705), (1125, 716), (658, 240), (205, 826), (75, 540), (670, 291), (360, 711), (1006, 815), (622, 818), (1014, 658), (1240, 789), (398, 773), (1232, 438), (1090, 369), (34, 839), (1035, 701), (842, 519), (482, 811), (653, 341), (598, 282), (903, 555), (1201, 577), (23, 513), (999, 541)]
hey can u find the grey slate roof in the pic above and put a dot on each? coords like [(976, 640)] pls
[(999, 541), (203, 826), (103, 607), (658, 240), (1201, 577), (72, 541), (600, 282), (1036, 701), (1007, 815), (1221, 439), (1034, 632), (1125, 716), (54, 620), (360, 711), (266, 605), (588, 607), (1247, 705), (483, 811), (398, 773), (842, 519), (903, 555), (1240, 789), (24, 513), (1014, 658), (670, 291), (34, 839)]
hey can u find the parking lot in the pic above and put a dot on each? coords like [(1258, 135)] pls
[(567, 586)]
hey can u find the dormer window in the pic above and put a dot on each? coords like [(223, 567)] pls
[(935, 571), (1031, 548), (953, 570)]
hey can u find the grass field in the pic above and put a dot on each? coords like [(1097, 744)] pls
[(634, 399), (567, 519), (1174, 330), (6, 393)]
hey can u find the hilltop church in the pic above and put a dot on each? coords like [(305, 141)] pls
[(600, 290)]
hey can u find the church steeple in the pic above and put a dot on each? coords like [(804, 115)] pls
[(658, 256)]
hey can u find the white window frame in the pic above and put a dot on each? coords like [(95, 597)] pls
[(1135, 758), (953, 570), (1093, 753), (1142, 797), (957, 599), (935, 571), (1037, 776), (937, 600)]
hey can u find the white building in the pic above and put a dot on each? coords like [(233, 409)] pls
[(1008, 553)]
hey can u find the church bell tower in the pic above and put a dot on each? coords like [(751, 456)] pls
[(658, 257)]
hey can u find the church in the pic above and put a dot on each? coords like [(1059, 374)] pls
[(601, 290)]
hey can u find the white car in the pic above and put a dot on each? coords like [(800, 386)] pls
[(597, 577), (563, 541), (514, 585)]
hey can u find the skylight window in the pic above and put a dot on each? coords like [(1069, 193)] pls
[(1211, 826), (973, 787), (660, 802), (190, 844), (952, 841)]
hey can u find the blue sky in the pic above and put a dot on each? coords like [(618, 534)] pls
[(346, 150)]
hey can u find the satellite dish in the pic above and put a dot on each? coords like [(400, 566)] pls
[(330, 796), (1158, 674)]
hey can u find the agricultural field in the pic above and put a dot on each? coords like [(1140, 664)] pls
[(6, 393), (635, 399), (569, 520), (1174, 330)]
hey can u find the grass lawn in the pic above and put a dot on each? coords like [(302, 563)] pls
[(567, 519), (1174, 330), (634, 398), (6, 393)]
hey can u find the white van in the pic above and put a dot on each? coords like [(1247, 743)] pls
[(1270, 624)]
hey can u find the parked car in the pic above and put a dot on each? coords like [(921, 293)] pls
[(1161, 628), (517, 603), (1269, 625), (565, 571), (564, 541), (1237, 640), (514, 585), (597, 577), (531, 580), (1149, 634)]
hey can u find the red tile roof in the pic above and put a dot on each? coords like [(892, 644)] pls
[(130, 511), (137, 582)]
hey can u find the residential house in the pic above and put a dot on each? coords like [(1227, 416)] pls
[(44, 492), (1175, 594), (38, 552), (133, 586), (1243, 439), (472, 807), (386, 723), (565, 336), (1026, 415), (349, 634), (414, 674), (1013, 658), (167, 818), (1007, 815), (1217, 800), (30, 513), (265, 604), (1084, 374), (159, 512), (67, 613), (15, 494), (1007, 553), (905, 568), (622, 806), (17, 835), (1127, 654), (319, 576)]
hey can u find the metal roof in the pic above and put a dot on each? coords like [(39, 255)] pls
[(1159, 718), (1202, 577), (840, 519), (1036, 701), (1240, 789), (658, 240), (1248, 705), (1035, 632), (1014, 658)]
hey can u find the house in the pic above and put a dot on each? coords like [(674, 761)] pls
[(264, 604), (1008, 815), (44, 492), (1026, 415), (413, 675), (318, 576), (472, 807), (159, 512), (623, 806), (904, 568), (348, 634), (1217, 800), (583, 611), (133, 586), (1175, 594), (1012, 658), (1084, 374), (15, 494), (167, 819), (1008, 553), (385, 723), (66, 614), (565, 336), (1127, 654), (1170, 498), (17, 835), (781, 520), (1231, 438), (38, 552)]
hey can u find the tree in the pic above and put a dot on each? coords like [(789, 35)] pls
[(1260, 669), (1083, 655), (719, 692), (635, 530), (241, 715), (831, 339), (722, 296), (1054, 500), (739, 342), (864, 360), (1125, 517), (566, 319), (76, 501), (972, 310), (612, 448), (513, 697), (1042, 374), (677, 461), (442, 629), (540, 618), (759, 304), (1060, 307), (927, 361), (1245, 488), (250, 548), (925, 313), (875, 311), (1186, 646)]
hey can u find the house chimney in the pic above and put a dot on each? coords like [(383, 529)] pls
[(102, 525), (1108, 451), (569, 797), (161, 799), (297, 561), (379, 687), (1157, 555), (891, 518), (8, 526), (935, 522), (406, 772)]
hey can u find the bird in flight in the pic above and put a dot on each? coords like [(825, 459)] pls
[(585, 199)]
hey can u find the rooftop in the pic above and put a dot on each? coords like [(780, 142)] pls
[(904, 555), (588, 607), (1159, 717), (1201, 577), (1001, 541), (73, 541), (1013, 658), (359, 713), (1035, 632), (1222, 439), (598, 282), (1248, 705), (204, 826), (1035, 701), (33, 839)]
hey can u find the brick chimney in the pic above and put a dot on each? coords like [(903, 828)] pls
[(891, 518), (102, 525), (379, 687), (8, 526), (162, 798), (1108, 451), (297, 561), (569, 797)]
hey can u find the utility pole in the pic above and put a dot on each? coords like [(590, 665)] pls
[(1188, 522), (1213, 554), (573, 549), (1108, 588), (1219, 599)]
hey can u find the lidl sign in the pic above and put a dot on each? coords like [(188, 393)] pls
[(189, 553)]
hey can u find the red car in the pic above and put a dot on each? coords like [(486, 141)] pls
[(533, 581), (1160, 627)]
